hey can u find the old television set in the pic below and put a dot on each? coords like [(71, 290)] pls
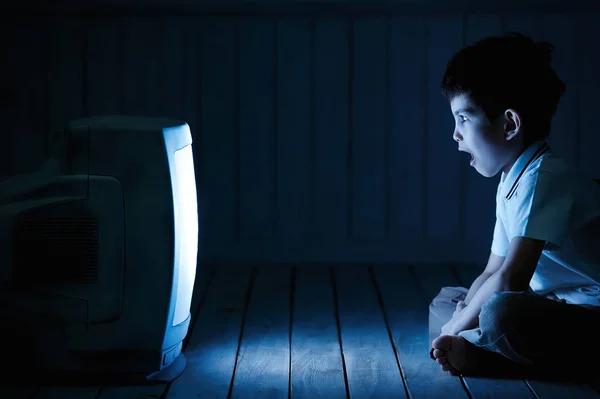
[(98, 250)]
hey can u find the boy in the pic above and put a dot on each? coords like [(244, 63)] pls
[(537, 302)]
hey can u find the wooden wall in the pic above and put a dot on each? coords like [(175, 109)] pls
[(318, 137)]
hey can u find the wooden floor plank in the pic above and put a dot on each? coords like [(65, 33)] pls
[(132, 392), (407, 312), (543, 389), (212, 347), (371, 366), (432, 279), (68, 393), (263, 369), (317, 369), (259, 365)]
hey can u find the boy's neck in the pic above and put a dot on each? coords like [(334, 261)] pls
[(515, 157), (513, 160)]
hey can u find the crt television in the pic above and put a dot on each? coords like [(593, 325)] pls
[(98, 249)]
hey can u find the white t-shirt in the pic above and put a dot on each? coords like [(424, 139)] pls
[(544, 198)]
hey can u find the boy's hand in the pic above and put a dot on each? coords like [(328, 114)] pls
[(459, 307), (448, 328)]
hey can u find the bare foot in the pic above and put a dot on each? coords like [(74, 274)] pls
[(455, 354)]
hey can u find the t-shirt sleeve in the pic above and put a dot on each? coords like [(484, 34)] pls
[(541, 208), (500, 243)]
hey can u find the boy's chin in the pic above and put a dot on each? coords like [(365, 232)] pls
[(484, 172)]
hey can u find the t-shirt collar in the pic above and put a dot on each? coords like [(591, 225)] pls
[(509, 180)]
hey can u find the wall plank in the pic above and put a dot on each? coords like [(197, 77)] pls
[(104, 81), (332, 99), (165, 7), (26, 59), (408, 139), (526, 23), (218, 150), (8, 97), (143, 66), (179, 73), (561, 31), (370, 129), (258, 141), (66, 70), (589, 139), (294, 129), (316, 138)]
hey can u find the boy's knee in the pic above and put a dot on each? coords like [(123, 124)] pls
[(503, 311)]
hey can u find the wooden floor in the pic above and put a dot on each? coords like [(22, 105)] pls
[(318, 332)]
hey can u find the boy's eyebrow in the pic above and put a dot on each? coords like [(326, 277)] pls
[(466, 110)]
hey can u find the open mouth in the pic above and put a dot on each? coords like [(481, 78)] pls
[(471, 156)]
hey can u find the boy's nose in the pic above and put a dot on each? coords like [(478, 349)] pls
[(456, 136)]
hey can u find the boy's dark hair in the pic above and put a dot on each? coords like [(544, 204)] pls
[(509, 71)]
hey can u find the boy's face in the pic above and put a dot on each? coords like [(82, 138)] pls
[(478, 136)]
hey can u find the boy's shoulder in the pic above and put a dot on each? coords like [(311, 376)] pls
[(555, 169), (553, 176)]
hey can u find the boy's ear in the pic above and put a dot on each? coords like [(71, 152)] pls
[(512, 123)]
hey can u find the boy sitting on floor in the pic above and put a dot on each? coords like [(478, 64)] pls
[(537, 303)]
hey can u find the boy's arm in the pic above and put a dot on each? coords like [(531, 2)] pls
[(494, 264), (514, 275)]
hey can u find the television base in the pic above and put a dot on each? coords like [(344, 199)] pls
[(54, 377), (171, 372)]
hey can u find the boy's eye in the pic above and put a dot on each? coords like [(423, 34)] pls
[(462, 118)]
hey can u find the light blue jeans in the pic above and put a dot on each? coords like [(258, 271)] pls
[(525, 327)]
